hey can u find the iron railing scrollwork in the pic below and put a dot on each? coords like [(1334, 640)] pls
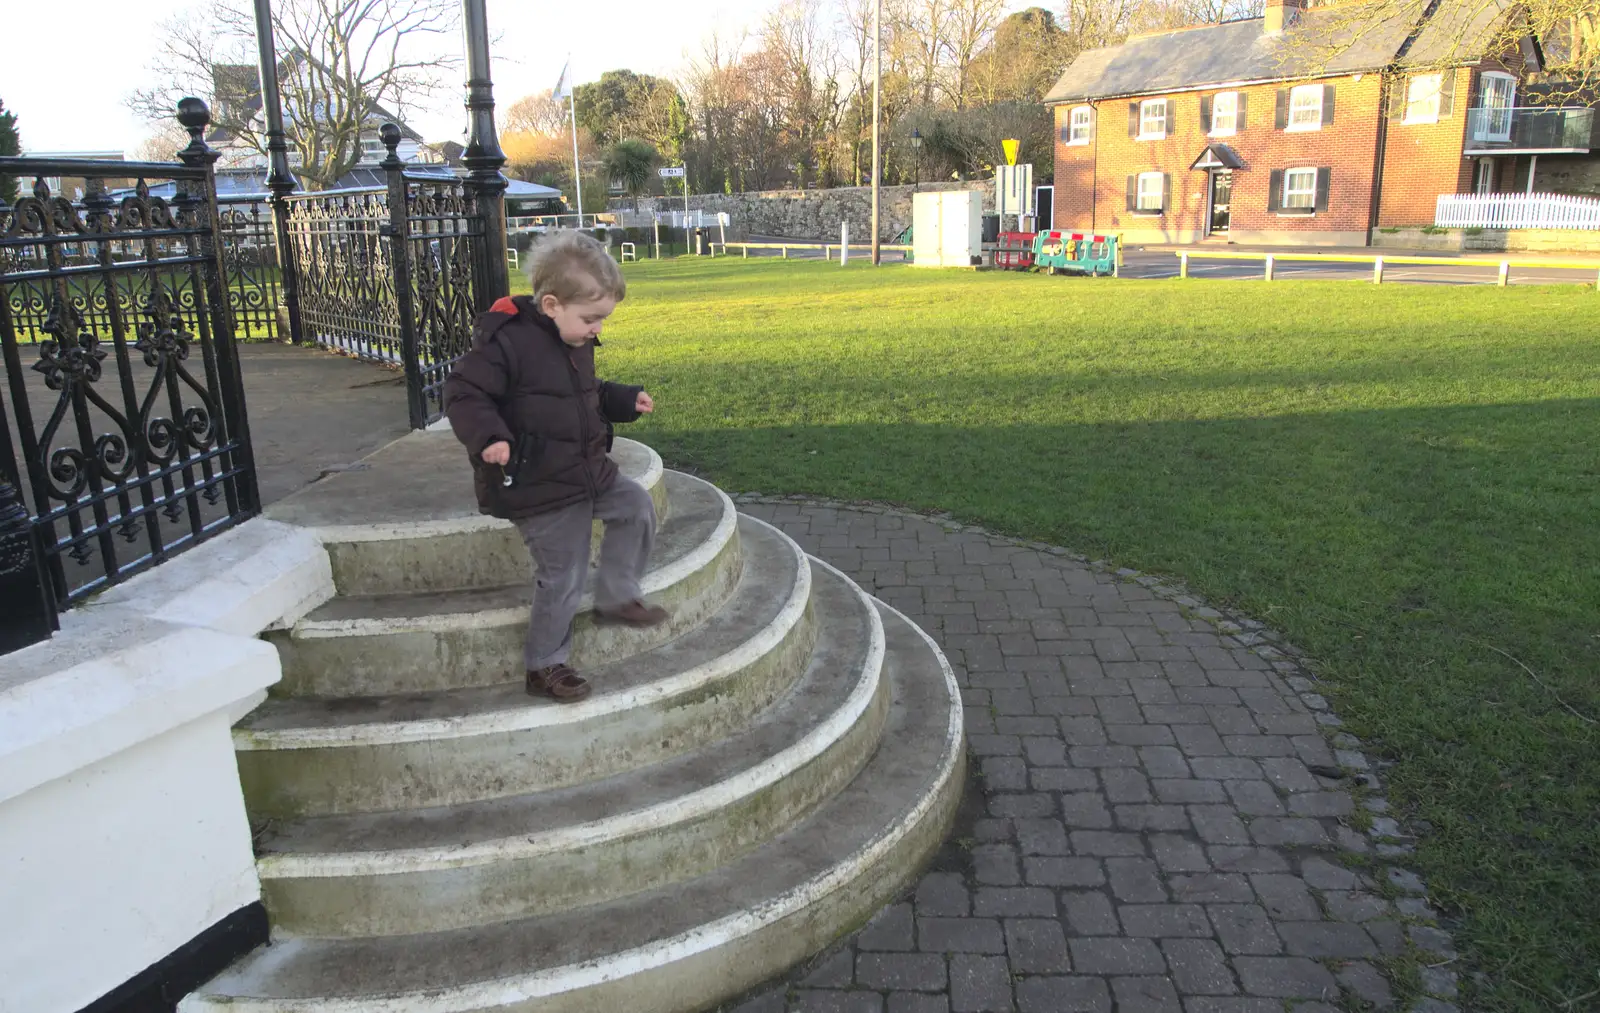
[(395, 275), (123, 409)]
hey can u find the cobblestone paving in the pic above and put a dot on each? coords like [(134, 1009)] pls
[(1166, 804)]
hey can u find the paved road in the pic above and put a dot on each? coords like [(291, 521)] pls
[(1159, 819)]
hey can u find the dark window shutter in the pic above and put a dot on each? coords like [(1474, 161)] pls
[(1066, 131), (1282, 118), (1133, 119), (1166, 192), (1205, 114), (1398, 86), (1133, 193), (1240, 121), (1172, 117), (1447, 93), (1275, 193), (1327, 104), (1324, 178)]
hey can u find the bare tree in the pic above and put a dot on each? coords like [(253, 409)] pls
[(163, 144), (972, 25), (540, 113), (341, 61)]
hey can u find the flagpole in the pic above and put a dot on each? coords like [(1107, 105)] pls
[(577, 176)]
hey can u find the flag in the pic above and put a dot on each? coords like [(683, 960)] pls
[(563, 86)]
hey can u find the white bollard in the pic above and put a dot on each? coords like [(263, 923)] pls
[(844, 243), (1505, 273), (1183, 265), (1377, 270), (1270, 264)]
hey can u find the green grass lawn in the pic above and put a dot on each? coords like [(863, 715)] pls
[(1404, 480)]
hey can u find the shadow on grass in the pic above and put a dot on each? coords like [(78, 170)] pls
[(1399, 547)]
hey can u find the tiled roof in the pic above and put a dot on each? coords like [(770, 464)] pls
[(1322, 42)]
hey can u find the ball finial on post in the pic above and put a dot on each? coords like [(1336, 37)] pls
[(194, 115), (390, 135)]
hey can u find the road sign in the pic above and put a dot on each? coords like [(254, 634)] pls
[(670, 172), (1013, 189), (1011, 145)]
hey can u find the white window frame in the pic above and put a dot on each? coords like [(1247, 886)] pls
[(1145, 117), (1484, 131), (1233, 114), (1080, 132), (1423, 108), (1314, 107), (1139, 206), (1289, 191)]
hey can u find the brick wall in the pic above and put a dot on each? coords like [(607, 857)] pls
[(1091, 180), (1424, 160)]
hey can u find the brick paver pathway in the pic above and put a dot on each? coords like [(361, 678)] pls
[(1164, 815)]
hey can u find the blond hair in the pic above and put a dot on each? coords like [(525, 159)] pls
[(573, 267)]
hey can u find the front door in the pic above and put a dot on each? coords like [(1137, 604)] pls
[(1221, 201)]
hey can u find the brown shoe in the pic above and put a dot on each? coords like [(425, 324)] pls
[(559, 682), (633, 613)]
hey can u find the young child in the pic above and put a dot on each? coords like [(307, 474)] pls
[(537, 426)]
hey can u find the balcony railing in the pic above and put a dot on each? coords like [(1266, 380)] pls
[(1532, 130), (1516, 211)]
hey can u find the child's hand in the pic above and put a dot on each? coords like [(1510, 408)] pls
[(644, 404), (497, 453)]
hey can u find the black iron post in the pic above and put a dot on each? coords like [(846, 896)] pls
[(195, 117), (483, 157), (27, 596), (280, 180), (398, 233)]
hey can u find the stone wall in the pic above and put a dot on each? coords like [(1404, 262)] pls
[(1488, 240), (816, 214), (1574, 174)]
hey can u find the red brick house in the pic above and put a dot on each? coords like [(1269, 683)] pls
[(1210, 132)]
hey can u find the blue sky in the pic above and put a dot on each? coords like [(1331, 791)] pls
[(76, 100)]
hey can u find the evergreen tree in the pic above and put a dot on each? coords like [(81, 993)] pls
[(10, 144)]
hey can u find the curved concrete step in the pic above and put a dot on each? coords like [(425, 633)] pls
[(372, 645), (677, 949), (304, 757), (445, 868), (405, 518)]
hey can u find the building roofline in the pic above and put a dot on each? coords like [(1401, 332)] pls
[(1220, 86)]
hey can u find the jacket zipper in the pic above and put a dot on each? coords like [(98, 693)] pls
[(583, 425)]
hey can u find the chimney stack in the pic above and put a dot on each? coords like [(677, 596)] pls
[(1281, 14)]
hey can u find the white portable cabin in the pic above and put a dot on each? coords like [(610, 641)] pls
[(946, 228)]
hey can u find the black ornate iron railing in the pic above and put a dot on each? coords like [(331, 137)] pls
[(444, 251), (395, 275), (342, 262), (124, 411), (251, 268)]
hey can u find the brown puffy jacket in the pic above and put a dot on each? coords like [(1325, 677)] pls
[(522, 380)]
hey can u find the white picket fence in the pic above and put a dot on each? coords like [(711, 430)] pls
[(1516, 211)]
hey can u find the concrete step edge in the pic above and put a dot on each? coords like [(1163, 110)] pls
[(746, 783), (754, 942), (527, 718), (654, 582)]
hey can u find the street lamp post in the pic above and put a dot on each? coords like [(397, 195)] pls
[(916, 146)]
